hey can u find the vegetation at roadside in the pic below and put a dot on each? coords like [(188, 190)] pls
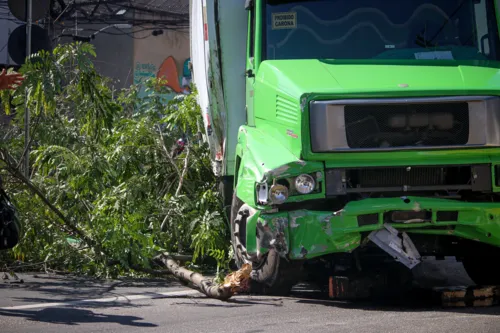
[(109, 188)]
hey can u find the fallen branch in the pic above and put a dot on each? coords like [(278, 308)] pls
[(178, 191), (234, 282), (179, 257), (154, 272), (70, 228), (169, 156), (49, 271)]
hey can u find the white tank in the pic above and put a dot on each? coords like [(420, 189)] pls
[(218, 31)]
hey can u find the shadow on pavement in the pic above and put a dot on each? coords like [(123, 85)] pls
[(430, 273), (415, 301), (46, 289), (42, 288), (76, 303), (212, 305), (237, 302), (70, 316), (90, 304), (38, 281)]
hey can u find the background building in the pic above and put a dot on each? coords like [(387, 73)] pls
[(134, 39)]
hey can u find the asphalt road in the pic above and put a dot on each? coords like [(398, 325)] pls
[(49, 304)]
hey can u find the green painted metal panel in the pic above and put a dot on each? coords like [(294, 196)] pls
[(315, 233)]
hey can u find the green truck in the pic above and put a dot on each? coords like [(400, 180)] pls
[(351, 134)]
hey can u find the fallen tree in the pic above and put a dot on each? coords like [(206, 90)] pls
[(109, 186)]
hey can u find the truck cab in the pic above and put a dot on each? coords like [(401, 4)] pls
[(353, 133)]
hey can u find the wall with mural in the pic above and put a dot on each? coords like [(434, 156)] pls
[(164, 56)]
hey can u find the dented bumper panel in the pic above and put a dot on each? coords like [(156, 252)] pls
[(305, 234)]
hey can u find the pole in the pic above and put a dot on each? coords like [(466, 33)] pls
[(29, 16)]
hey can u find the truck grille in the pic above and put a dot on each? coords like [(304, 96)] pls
[(404, 125), (399, 176), (408, 179)]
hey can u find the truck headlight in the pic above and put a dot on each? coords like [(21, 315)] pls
[(278, 194), (305, 184)]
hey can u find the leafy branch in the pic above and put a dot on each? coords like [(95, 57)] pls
[(102, 166)]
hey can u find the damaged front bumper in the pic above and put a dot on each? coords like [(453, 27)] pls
[(305, 234)]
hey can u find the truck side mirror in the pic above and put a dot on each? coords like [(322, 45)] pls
[(248, 4), (483, 48), (249, 72)]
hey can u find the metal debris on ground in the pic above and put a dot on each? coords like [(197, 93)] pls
[(468, 296)]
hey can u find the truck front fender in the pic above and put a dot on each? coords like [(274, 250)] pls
[(263, 158)]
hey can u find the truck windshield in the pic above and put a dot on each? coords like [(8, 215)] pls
[(381, 29)]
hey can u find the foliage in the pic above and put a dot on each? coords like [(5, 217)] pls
[(223, 259), (104, 171)]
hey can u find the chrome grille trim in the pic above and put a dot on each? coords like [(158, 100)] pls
[(328, 132)]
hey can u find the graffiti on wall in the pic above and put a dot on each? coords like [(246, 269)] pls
[(143, 71), (177, 80)]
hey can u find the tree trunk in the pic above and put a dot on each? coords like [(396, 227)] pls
[(234, 282)]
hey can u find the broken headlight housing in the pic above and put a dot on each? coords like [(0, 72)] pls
[(278, 194), (284, 188)]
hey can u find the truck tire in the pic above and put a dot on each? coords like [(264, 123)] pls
[(273, 275), (226, 191), (10, 228)]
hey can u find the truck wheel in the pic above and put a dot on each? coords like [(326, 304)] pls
[(238, 230), (272, 275), (9, 235), (10, 228), (226, 191)]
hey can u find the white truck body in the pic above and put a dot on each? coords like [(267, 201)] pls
[(218, 31)]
